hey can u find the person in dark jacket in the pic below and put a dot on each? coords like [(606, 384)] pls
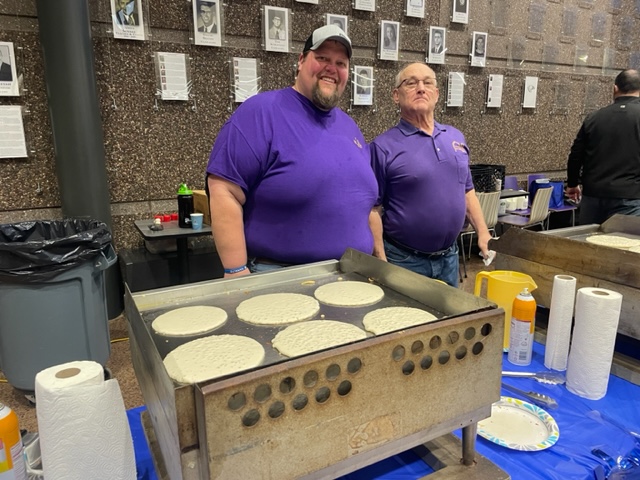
[(605, 156)]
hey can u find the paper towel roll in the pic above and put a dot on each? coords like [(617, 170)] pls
[(82, 422), (594, 335), (563, 296)]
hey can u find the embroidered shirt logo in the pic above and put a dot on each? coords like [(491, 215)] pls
[(357, 142), (458, 147)]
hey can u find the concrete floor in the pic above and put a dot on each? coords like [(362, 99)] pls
[(122, 370)]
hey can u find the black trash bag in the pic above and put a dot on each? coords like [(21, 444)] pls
[(40, 250)]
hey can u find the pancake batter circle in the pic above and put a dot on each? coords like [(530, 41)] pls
[(212, 357), (349, 294), (389, 319), (189, 321), (278, 309), (307, 337), (614, 241)]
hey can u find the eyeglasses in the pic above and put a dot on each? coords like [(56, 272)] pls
[(411, 83)]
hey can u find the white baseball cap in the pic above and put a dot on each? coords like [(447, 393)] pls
[(328, 32)]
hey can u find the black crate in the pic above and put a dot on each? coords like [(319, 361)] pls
[(485, 177)]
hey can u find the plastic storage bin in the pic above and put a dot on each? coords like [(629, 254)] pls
[(53, 306)]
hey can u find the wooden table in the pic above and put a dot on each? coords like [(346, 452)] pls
[(171, 230)]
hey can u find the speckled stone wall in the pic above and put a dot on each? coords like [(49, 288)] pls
[(152, 145)]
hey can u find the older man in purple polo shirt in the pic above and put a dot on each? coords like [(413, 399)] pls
[(289, 177), (425, 186)]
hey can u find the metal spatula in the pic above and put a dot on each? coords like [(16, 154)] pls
[(553, 378)]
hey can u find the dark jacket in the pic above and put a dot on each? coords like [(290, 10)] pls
[(605, 156)]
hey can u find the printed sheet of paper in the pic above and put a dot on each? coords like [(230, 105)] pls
[(530, 92), (12, 140), (245, 78), (367, 5), (415, 8), (455, 93), (175, 83), (494, 91)]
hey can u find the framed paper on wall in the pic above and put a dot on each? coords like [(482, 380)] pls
[(460, 12), (206, 22), (8, 74), (415, 8), (362, 85), (389, 40), (341, 21), (276, 29), (437, 44), (245, 78), (479, 50), (127, 19)]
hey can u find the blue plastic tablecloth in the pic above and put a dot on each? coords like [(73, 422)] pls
[(584, 425)]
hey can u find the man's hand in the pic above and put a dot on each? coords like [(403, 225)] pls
[(574, 193)]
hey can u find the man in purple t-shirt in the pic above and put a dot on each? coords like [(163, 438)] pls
[(289, 176), (425, 186)]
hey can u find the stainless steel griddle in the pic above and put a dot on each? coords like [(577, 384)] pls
[(351, 405)]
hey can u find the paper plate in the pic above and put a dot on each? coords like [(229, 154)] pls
[(519, 425)]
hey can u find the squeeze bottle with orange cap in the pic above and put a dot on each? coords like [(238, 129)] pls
[(12, 465), (523, 320)]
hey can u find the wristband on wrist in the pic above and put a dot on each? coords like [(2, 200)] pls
[(235, 270)]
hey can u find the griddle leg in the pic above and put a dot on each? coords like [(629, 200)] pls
[(469, 444), (183, 259)]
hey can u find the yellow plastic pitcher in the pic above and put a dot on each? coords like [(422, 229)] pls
[(502, 288)]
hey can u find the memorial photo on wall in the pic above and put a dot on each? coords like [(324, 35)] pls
[(363, 85), (276, 29), (460, 11), (341, 21), (415, 8), (127, 19), (8, 74), (206, 20), (479, 49), (389, 40), (437, 44)]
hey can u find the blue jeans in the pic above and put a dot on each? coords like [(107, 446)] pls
[(598, 209), (257, 267), (441, 267)]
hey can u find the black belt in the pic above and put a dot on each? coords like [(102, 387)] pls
[(399, 245)]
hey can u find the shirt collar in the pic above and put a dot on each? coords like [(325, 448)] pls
[(408, 129)]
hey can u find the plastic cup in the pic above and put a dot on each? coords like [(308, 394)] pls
[(196, 220)]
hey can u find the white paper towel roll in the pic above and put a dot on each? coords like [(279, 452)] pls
[(82, 422), (594, 335), (563, 296)]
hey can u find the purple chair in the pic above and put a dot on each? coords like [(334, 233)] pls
[(511, 182)]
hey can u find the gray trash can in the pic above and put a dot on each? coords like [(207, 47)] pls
[(53, 306)]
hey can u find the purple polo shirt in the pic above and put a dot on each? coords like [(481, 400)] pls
[(306, 175), (422, 182)]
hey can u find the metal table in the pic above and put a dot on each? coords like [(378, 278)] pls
[(171, 230), (509, 193)]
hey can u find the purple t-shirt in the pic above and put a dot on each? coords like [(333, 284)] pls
[(306, 174), (422, 180)]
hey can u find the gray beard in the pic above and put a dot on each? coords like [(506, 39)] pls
[(324, 102)]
